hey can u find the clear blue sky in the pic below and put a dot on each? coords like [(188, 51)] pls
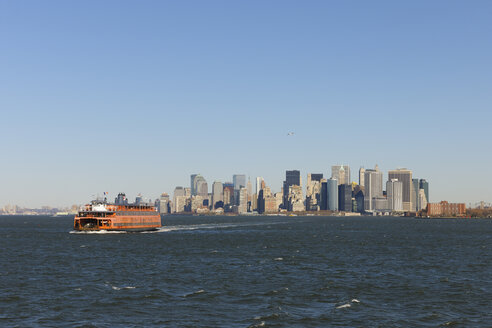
[(137, 95)]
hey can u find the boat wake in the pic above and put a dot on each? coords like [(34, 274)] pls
[(208, 226)]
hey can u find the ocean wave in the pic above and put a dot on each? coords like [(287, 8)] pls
[(200, 291), (120, 288)]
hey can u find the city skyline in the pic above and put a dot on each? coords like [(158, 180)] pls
[(274, 186), (124, 96)]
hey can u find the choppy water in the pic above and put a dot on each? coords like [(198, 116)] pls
[(248, 272)]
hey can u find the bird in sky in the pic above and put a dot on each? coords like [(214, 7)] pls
[(290, 134)]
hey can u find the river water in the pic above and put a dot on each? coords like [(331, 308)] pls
[(248, 272)]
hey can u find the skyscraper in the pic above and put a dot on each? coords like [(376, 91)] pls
[(243, 200), (296, 202), (415, 192), (422, 200), (217, 193), (394, 193), (332, 194), (292, 178), (345, 198), (341, 173), (373, 187), (249, 187), (164, 204), (259, 180), (405, 176), (192, 183), (361, 176), (179, 200), (313, 191), (194, 180), (266, 201), (423, 184), (359, 199), (324, 195), (228, 193), (239, 181), (201, 186)]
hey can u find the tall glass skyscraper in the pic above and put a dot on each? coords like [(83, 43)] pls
[(239, 181), (405, 176), (332, 199), (373, 187), (345, 198)]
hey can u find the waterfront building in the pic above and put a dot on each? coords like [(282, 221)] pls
[(446, 209), (187, 192), (332, 194), (164, 204), (292, 178), (373, 187), (341, 173), (380, 204), (345, 198), (394, 192), (405, 176), (362, 171), (217, 193)]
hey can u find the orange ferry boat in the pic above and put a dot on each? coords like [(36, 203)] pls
[(100, 215)]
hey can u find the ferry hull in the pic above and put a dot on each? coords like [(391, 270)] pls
[(121, 229)]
